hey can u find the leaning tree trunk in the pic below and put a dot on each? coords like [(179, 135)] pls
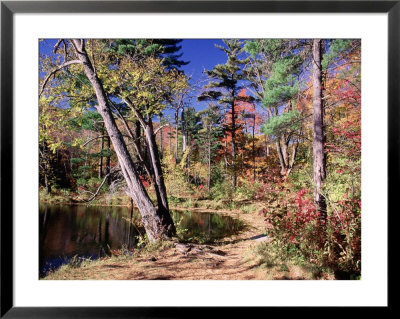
[(137, 137), (158, 223), (155, 161), (100, 175), (161, 139), (318, 138), (108, 162), (157, 170)]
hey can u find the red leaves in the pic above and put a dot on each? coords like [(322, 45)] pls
[(145, 183), (299, 212), (305, 208)]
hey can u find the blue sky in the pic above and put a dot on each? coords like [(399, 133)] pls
[(201, 53)]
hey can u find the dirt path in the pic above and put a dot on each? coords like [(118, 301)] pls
[(229, 259)]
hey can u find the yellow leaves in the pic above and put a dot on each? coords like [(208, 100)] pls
[(54, 146), (145, 95), (184, 158), (77, 142), (147, 82)]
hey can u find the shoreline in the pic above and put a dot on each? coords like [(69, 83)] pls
[(234, 257)]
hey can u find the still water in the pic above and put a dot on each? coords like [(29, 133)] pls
[(90, 232)]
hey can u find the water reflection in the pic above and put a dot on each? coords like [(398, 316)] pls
[(204, 227), (90, 232)]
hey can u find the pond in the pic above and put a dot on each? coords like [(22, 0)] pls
[(90, 232)]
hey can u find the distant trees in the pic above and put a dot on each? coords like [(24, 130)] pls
[(209, 136), (54, 151), (226, 81)]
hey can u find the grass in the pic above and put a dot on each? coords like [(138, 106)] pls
[(99, 269), (280, 267), (60, 196)]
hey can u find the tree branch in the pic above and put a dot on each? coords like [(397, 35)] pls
[(92, 139), (101, 185), (57, 45), (161, 127), (56, 70), (138, 115)]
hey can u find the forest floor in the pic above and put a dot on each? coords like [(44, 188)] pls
[(232, 258)]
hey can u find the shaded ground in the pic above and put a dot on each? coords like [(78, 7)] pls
[(232, 258)]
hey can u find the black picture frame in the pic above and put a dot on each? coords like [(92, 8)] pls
[(9, 8)]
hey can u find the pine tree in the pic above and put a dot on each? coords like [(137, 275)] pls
[(226, 81), (279, 76)]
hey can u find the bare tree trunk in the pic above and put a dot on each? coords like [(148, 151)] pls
[(45, 167), (156, 222), (158, 178), (108, 162), (176, 135), (285, 153), (253, 146), (266, 146), (138, 133), (318, 138), (209, 160), (184, 133), (46, 183), (280, 156), (234, 177), (188, 158), (158, 175), (161, 139), (101, 156), (170, 140), (294, 152), (226, 153)]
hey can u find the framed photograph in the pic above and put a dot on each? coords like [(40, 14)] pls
[(160, 155)]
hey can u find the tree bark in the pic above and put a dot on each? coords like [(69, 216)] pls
[(253, 144), (155, 161), (209, 160), (176, 135), (137, 137), (234, 168), (157, 169), (108, 160), (101, 156), (318, 137), (280, 156), (156, 222), (285, 153), (47, 185), (170, 140), (184, 133), (161, 139)]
